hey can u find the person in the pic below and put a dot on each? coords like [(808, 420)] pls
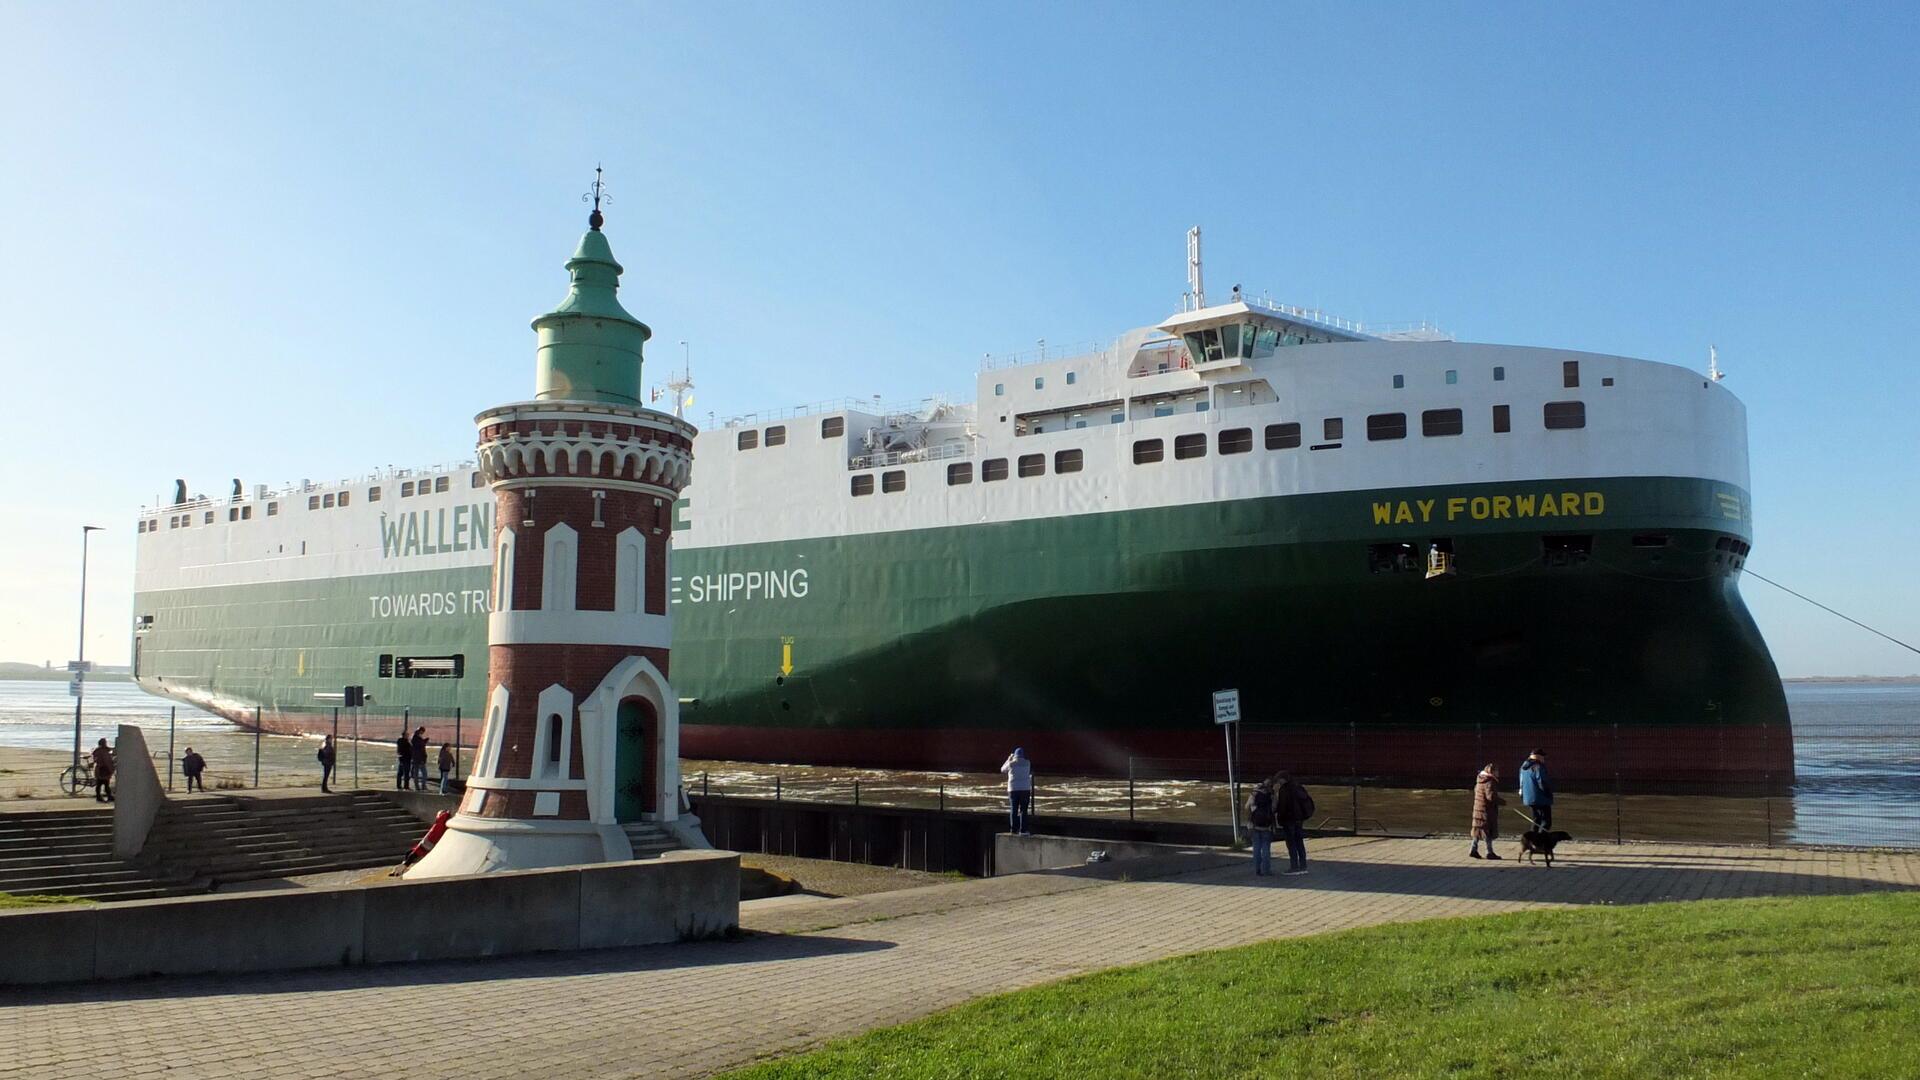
[(1019, 772), (404, 747), (326, 756), (1536, 791), (102, 772), (446, 766), (1260, 825), (420, 759), (1293, 808), (1486, 810), (191, 766)]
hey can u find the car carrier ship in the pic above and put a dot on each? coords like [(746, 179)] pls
[(1418, 553)]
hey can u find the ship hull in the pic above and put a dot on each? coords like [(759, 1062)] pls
[(1095, 640)]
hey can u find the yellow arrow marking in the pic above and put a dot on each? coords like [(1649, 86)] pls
[(786, 656)]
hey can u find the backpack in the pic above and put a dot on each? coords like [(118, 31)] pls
[(1303, 807), (1260, 816)]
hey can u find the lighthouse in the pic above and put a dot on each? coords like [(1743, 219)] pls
[(579, 755)]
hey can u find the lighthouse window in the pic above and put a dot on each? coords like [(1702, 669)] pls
[(960, 473), (1441, 422), (406, 490), (553, 741), (1066, 461), (1040, 382), (1236, 440), (439, 483), (893, 480), (1570, 374), (1502, 419), (1391, 425), (1033, 465), (1189, 446), (327, 500), (313, 502), (1399, 382), (373, 493), (863, 484), (1452, 377), (747, 440), (1499, 374), (1561, 415), (1148, 451), (1333, 428), (993, 469), (1283, 436), (833, 427), (777, 435)]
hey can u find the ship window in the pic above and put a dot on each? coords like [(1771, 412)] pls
[(1189, 446), (1570, 374), (233, 514), (863, 484), (1388, 425), (1202, 406), (327, 500), (893, 481), (993, 469), (1561, 415), (1399, 382), (1283, 436), (1071, 379), (429, 667), (439, 483), (1148, 451), (960, 472), (1452, 376), (1566, 550), (777, 435), (1333, 429), (1117, 418), (246, 512), (1606, 380), (1236, 440), (344, 498), (1499, 374), (406, 490), (1040, 382), (313, 502), (1441, 422), (746, 440), (273, 509), (386, 665), (1065, 461), (1033, 465), (473, 480), (1502, 419), (373, 493), (999, 389), (208, 519), (833, 427)]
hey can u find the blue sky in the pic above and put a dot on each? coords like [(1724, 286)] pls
[(279, 241)]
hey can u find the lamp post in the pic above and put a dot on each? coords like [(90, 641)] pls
[(80, 661)]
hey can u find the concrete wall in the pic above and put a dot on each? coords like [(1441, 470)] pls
[(137, 794), (1024, 854), (681, 896)]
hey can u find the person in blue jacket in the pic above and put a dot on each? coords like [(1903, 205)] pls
[(1536, 791)]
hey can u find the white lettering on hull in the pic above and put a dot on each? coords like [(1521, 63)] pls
[(741, 585), (415, 605)]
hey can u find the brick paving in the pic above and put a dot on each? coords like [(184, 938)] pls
[(827, 968)]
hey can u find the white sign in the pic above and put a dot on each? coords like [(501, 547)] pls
[(73, 688), (79, 665), (1226, 706)]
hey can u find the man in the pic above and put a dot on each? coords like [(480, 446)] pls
[(1536, 791), (447, 764), (404, 747), (420, 759), (1260, 824), (102, 772), (1019, 792), (326, 756), (1293, 808), (192, 765)]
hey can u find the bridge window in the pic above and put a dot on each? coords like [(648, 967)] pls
[(1066, 461), (1561, 415), (1283, 436), (1502, 419), (1236, 440), (1441, 422), (777, 435), (1033, 465), (746, 440), (1148, 451), (893, 481), (833, 427), (960, 472), (993, 469), (1189, 446), (863, 484), (1570, 374), (1391, 425)]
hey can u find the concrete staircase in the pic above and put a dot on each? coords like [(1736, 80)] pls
[(70, 853), (227, 838), (649, 840)]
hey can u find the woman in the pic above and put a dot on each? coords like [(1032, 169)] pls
[(446, 766), (1486, 810), (102, 772)]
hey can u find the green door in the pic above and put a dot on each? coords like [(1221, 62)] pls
[(632, 791)]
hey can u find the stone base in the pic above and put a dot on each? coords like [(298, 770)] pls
[(476, 845)]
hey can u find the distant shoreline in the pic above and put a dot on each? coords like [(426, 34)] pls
[(1892, 680), (43, 675)]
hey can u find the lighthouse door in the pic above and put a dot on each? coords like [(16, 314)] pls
[(633, 784)]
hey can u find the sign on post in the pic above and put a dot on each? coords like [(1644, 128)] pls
[(1226, 710), (1226, 706), (79, 665), (73, 688)]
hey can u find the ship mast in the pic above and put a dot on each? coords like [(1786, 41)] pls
[(683, 382), (1196, 287), (1713, 364)]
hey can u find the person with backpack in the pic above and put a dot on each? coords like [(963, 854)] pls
[(447, 762), (1536, 791), (193, 767), (404, 747), (1293, 808), (1260, 824), (326, 761), (419, 744)]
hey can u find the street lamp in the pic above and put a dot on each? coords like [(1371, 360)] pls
[(80, 662)]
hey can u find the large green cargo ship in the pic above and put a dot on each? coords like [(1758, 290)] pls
[(1413, 551)]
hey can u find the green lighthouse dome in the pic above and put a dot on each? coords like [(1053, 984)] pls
[(589, 346)]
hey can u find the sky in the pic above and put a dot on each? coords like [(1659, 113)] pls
[(285, 241)]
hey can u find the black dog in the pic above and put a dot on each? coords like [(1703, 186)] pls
[(1534, 842)]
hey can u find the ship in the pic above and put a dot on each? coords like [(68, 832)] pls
[(1408, 554)]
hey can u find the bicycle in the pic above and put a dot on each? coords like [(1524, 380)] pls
[(77, 779)]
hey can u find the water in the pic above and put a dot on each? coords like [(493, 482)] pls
[(1856, 746)]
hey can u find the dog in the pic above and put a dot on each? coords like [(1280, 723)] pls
[(1535, 842)]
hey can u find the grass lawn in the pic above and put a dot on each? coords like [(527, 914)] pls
[(8, 900), (1810, 987)]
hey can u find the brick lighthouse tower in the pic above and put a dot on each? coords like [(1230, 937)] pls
[(581, 744)]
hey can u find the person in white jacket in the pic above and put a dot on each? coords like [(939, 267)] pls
[(1019, 792)]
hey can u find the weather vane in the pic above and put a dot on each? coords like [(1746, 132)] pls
[(596, 196)]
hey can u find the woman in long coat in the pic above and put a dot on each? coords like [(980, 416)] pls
[(1486, 810)]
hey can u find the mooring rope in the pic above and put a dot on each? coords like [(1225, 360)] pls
[(1749, 572)]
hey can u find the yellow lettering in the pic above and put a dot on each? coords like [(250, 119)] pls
[(1426, 509), (1454, 506), (1480, 507), (1596, 504), (1403, 515), (1502, 506), (1382, 513), (1570, 503), (1523, 506), (1549, 507)]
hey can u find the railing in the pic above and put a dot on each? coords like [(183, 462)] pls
[(306, 487), (870, 406), (925, 453), (1043, 353)]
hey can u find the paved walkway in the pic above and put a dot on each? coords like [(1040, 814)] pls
[(832, 967)]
